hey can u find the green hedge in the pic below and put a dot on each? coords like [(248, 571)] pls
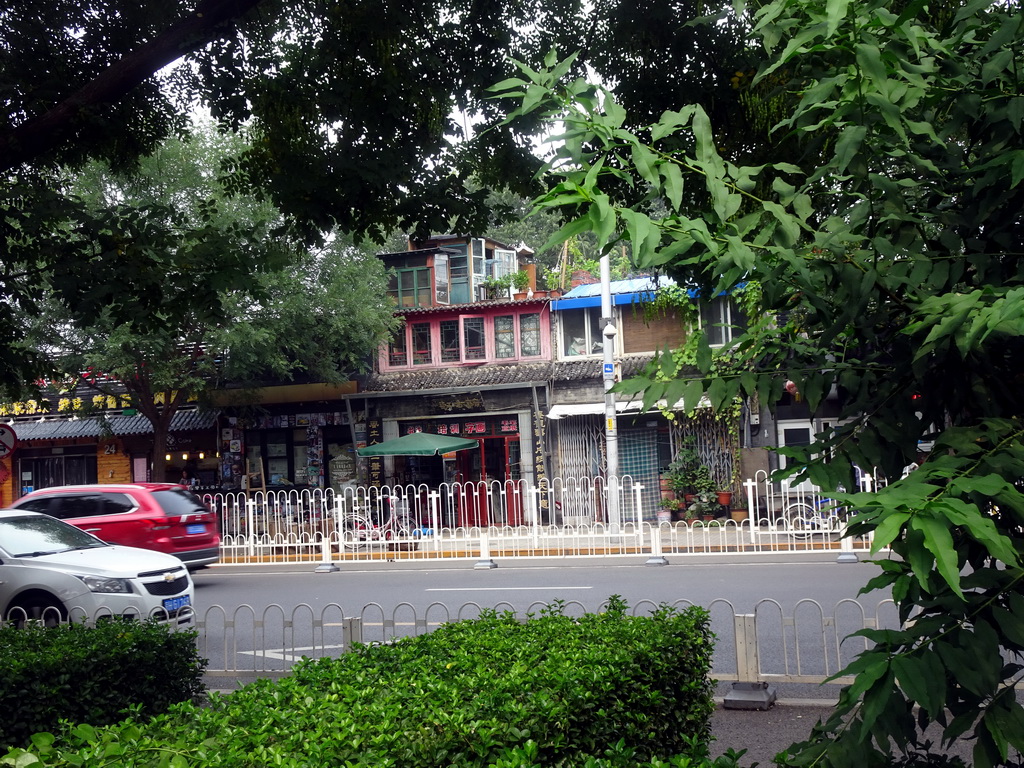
[(554, 690), (91, 674)]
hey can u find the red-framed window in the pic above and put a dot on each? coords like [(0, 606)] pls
[(466, 339)]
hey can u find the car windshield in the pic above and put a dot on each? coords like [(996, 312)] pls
[(37, 535)]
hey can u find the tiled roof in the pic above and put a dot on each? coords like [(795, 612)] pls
[(592, 367), (444, 378), (64, 427), (474, 306), (496, 373)]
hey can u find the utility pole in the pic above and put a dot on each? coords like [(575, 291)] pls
[(611, 432)]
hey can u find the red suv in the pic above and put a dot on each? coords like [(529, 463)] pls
[(162, 516)]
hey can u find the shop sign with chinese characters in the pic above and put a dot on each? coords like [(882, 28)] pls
[(474, 427)]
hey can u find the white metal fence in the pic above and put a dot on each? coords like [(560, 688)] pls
[(514, 519), (805, 645)]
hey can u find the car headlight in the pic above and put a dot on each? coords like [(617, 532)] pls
[(107, 584)]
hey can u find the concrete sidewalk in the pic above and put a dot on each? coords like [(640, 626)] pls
[(766, 733)]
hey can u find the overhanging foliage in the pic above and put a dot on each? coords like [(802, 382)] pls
[(890, 266)]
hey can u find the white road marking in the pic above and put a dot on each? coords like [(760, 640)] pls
[(493, 589)]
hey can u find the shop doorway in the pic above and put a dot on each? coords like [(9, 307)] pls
[(65, 469), (492, 496)]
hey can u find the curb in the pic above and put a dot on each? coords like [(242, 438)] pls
[(793, 702)]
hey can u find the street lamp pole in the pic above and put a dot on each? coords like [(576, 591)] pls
[(611, 432)]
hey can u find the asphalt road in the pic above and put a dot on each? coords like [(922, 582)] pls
[(742, 581)]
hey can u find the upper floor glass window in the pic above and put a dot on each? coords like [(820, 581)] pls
[(398, 354), (450, 341), (411, 282), (475, 340), (721, 320), (504, 337), (581, 332), (470, 338), (421, 344), (529, 334)]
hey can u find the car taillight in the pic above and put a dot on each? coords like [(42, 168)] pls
[(160, 524)]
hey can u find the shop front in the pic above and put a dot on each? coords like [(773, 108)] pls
[(115, 448), (476, 486), (288, 451)]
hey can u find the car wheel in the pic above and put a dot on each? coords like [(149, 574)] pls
[(44, 610)]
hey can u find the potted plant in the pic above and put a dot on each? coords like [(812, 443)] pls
[(706, 497), (667, 510), (680, 475), (553, 282), (520, 283), (671, 509), (497, 287), (705, 506)]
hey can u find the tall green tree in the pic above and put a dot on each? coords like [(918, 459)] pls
[(316, 315), (351, 106), (890, 267)]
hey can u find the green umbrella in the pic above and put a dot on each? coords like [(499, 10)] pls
[(418, 444)]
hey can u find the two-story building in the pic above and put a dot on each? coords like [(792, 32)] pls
[(524, 378), (464, 363), (648, 441)]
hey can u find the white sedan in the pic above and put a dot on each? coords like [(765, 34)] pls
[(51, 571)]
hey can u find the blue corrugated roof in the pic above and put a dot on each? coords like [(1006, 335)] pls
[(634, 290), (632, 285), (71, 427)]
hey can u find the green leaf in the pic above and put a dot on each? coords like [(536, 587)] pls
[(870, 60), (888, 530), (939, 541), (646, 163), (922, 677), (670, 121), (706, 152), (835, 13), (570, 229), (673, 177), (848, 145), (693, 394), (1011, 625), (602, 219)]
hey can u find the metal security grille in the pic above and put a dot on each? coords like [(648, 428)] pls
[(716, 445), (579, 456), (579, 452)]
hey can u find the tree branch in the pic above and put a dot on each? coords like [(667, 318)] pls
[(45, 132)]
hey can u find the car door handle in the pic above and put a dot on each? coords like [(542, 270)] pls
[(92, 530)]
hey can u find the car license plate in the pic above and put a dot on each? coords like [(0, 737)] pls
[(195, 528), (172, 604)]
